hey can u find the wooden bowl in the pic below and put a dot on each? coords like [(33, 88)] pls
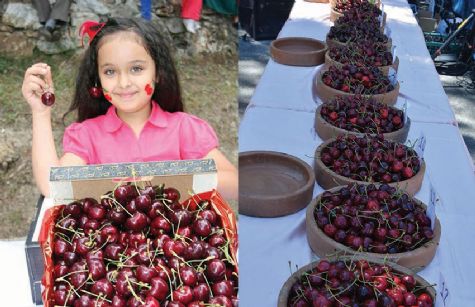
[(286, 288), (298, 51), (328, 179), (384, 69), (327, 93), (326, 131), (323, 246), (273, 184)]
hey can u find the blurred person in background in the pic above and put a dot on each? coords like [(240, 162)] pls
[(52, 17)]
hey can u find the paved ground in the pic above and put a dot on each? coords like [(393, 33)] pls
[(461, 92), (253, 57)]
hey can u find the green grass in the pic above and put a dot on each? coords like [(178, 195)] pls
[(11, 79)]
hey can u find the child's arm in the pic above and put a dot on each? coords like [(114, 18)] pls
[(227, 175), (37, 80)]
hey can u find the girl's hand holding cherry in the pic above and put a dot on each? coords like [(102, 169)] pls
[(38, 88)]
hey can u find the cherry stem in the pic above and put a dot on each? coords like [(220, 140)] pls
[(132, 290), (100, 297), (116, 202)]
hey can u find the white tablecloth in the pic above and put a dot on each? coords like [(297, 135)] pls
[(267, 245), (14, 284), (280, 117)]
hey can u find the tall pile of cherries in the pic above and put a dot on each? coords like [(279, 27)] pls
[(363, 115), (362, 12), (357, 80), (141, 247), (356, 31), (370, 159), (362, 54), (373, 219), (356, 283), (345, 5)]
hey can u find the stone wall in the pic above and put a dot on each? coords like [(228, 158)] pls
[(19, 26)]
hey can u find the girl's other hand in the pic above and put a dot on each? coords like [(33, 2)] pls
[(37, 80)]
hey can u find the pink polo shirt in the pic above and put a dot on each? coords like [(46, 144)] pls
[(165, 136)]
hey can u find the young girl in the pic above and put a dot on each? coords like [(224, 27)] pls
[(129, 107)]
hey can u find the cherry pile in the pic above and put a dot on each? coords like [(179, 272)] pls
[(357, 283), (370, 159), (357, 80), (350, 30), (361, 114), (345, 5), (373, 219), (141, 247), (362, 54), (363, 12)]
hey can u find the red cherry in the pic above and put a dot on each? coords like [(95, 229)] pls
[(223, 287), (112, 251), (202, 227), (145, 273), (201, 292), (373, 205), (159, 288), (216, 269), (221, 300), (183, 295), (425, 298), (103, 287), (409, 281), (380, 283), (137, 222), (208, 215), (47, 98), (150, 301), (171, 194), (64, 297), (407, 172), (188, 276), (144, 203), (95, 92)]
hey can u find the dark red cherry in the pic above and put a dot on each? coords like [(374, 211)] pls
[(95, 92), (47, 98)]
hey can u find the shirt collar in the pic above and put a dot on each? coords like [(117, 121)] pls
[(158, 118)]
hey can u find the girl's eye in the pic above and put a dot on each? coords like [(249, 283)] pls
[(108, 72), (136, 69)]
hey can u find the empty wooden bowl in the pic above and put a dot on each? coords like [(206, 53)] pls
[(298, 51), (273, 184)]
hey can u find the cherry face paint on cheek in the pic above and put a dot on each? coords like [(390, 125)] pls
[(106, 95), (148, 89)]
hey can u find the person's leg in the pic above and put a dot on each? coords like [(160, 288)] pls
[(146, 9), (191, 9), (43, 9), (191, 12), (60, 10)]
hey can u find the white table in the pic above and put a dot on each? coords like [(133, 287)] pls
[(14, 284), (267, 245), (280, 118)]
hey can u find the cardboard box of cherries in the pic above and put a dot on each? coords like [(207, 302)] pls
[(131, 240)]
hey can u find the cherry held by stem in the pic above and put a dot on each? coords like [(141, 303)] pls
[(47, 98)]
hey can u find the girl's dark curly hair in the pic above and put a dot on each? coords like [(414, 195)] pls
[(167, 92)]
